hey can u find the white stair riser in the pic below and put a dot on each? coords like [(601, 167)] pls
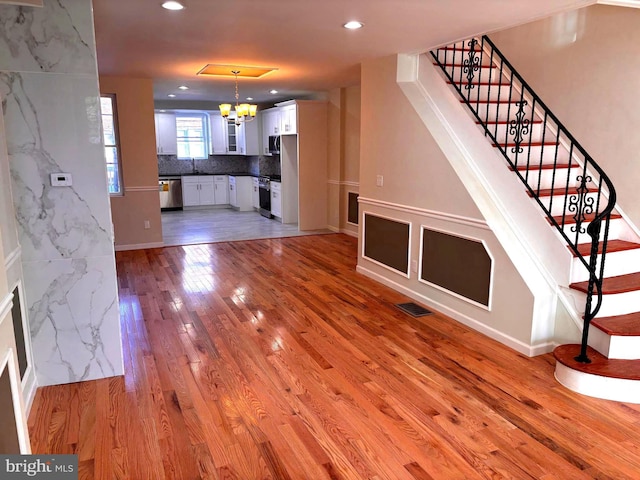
[(561, 203), (616, 263), (498, 111), (499, 131), (489, 92), (539, 155), (619, 347), (617, 389), (612, 305), (458, 57), (548, 179), (615, 227)]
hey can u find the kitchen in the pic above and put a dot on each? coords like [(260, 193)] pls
[(222, 179)]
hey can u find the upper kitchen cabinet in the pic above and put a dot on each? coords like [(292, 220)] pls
[(288, 118), (227, 138), (270, 126), (166, 140)]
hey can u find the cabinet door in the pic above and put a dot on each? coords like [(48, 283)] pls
[(206, 191), (218, 133), (255, 193), (276, 202), (288, 120), (233, 194), (221, 190), (232, 136), (264, 117), (190, 194), (167, 143)]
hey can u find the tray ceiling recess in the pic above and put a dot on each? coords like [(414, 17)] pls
[(243, 71)]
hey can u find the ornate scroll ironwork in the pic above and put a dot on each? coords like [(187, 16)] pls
[(580, 203), (519, 127), (471, 64)]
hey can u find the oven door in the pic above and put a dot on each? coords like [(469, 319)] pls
[(265, 200)]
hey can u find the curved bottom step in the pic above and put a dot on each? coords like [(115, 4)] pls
[(604, 378)]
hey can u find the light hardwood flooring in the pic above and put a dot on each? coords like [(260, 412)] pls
[(274, 359), (189, 227)]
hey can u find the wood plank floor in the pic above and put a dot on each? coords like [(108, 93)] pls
[(275, 359)]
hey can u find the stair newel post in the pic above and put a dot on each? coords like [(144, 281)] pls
[(594, 232)]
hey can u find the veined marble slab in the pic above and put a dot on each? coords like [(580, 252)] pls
[(74, 319), (56, 38), (53, 125)]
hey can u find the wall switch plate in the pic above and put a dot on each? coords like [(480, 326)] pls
[(61, 180), (414, 266), (379, 180), (147, 224)]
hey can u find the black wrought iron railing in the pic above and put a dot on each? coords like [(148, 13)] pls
[(570, 187)]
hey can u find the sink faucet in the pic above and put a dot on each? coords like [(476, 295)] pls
[(193, 166)]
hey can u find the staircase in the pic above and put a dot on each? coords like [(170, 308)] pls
[(578, 201)]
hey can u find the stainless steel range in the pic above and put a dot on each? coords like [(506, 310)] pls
[(264, 188)]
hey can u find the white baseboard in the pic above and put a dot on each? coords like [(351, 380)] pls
[(349, 232), (139, 246), (29, 388), (333, 229), (515, 344)]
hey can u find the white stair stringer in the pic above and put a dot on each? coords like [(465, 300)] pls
[(519, 224)]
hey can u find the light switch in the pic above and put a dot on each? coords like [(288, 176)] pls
[(61, 180), (379, 180)]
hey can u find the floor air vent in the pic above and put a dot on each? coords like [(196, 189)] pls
[(413, 309)]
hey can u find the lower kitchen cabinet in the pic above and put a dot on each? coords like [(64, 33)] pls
[(240, 195), (199, 190), (276, 199), (221, 189), (255, 193)]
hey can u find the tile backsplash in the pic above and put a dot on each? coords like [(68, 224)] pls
[(219, 164)]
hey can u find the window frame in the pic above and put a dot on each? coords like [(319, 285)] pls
[(206, 136), (116, 135)]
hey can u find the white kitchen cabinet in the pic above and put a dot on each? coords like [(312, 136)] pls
[(255, 193), (270, 127), (197, 190), (227, 138), (166, 137), (276, 199), (240, 193), (289, 119), (221, 189)]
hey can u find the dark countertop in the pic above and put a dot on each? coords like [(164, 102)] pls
[(275, 178)]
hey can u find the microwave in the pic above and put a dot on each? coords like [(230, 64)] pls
[(274, 144)]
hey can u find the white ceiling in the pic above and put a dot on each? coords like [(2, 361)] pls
[(304, 39)]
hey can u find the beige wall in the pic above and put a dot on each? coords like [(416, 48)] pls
[(421, 187), (136, 128), (344, 154), (585, 65)]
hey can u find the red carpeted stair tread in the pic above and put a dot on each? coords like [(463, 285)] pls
[(457, 65), (612, 246), (504, 122), (613, 285), (600, 365), (568, 219), (548, 192), (544, 166), (620, 325), (482, 84)]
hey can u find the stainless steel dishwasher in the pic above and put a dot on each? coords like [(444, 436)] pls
[(170, 193)]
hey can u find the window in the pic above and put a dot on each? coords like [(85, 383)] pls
[(192, 135), (111, 149)]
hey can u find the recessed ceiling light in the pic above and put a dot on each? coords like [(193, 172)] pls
[(273, 92), (353, 25), (172, 5), (249, 98), (162, 111), (183, 87), (171, 95)]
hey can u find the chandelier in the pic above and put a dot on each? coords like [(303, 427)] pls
[(244, 111)]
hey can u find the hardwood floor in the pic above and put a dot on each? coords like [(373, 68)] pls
[(275, 359)]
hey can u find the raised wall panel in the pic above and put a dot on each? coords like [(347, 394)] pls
[(9, 443), (352, 208), (459, 265), (18, 330), (387, 242)]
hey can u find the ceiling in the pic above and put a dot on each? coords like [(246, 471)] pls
[(304, 39)]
